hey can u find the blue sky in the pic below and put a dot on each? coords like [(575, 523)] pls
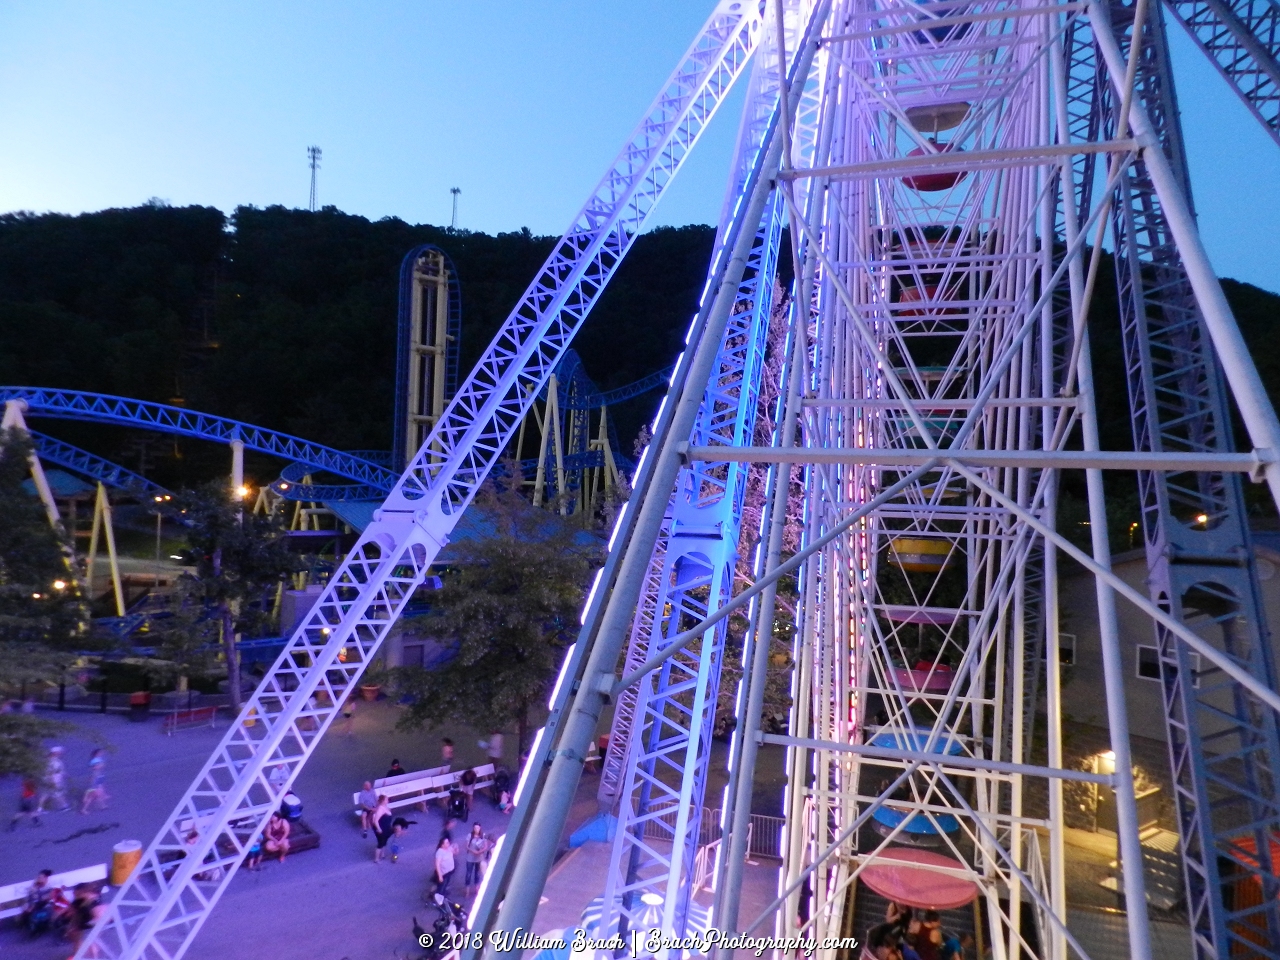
[(519, 104)]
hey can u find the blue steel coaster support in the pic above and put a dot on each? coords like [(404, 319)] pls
[(160, 909), (1242, 39), (1224, 750)]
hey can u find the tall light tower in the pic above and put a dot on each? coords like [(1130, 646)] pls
[(313, 156), (453, 224)]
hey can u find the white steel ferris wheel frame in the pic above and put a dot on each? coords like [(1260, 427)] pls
[(961, 448), (967, 455)]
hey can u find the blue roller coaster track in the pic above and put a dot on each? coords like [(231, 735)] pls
[(86, 464), (121, 411)]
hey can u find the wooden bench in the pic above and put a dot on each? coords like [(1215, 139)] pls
[(195, 717), (13, 898), (423, 786), (301, 835)]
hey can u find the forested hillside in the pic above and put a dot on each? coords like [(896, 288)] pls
[(286, 318)]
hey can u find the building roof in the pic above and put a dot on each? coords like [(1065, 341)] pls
[(476, 523), (63, 485)]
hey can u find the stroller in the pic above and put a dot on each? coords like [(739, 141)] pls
[(458, 808), (450, 921)]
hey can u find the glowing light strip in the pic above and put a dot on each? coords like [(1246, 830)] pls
[(658, 416), (617, 525), (533, 761), (564, 671), (595, 584)]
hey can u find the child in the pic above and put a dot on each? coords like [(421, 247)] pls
[(27, 805), (398, 828), (97, 791)]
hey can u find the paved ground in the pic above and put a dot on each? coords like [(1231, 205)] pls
[(325, 904), (579, 877), (334, 902)]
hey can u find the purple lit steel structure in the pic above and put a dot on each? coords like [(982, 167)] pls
[(945, 169)]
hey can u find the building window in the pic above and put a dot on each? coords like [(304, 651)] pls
[(1149, 665)]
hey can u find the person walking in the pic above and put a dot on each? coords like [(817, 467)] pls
[(28, 805), (382, 825), (445, 865), (493, 747), (55, 782), (476, 849), (349, 716), (97, 792)]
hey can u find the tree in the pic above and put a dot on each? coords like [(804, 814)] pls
[(42, 616), (186, 639), (510, 607), (240, 558)]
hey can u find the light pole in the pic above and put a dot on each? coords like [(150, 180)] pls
[(453, 225), (159, 527)]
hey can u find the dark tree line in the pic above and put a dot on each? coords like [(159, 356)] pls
[(286, 318)]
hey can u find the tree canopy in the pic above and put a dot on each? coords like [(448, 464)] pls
[(42, 615), (241, 558), (507, 612)]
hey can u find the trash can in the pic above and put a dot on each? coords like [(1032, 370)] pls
[(139, 706), (124, 858)]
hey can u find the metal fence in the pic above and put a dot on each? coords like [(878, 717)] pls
[(764, 839)]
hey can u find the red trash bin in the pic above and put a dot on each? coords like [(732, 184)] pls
[(139, 706)]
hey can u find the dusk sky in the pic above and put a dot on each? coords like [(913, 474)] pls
[(520, 105)]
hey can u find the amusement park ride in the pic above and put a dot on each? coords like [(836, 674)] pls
[(947, 171)]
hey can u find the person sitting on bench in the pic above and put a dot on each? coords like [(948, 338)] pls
[(37, 912), (276, 836)]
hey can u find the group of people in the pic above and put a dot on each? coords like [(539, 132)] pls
[(377, 817), (48, 794), (910, 935), (48, 908)]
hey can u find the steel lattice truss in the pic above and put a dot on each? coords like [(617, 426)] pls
[(101, 408), (941, 333), (938, 185), (1224, 752), (1242, 39), (53, 450), (161, 907), (667, 722)]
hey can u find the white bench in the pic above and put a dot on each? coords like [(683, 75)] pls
[(409, 789), (13, 898)]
